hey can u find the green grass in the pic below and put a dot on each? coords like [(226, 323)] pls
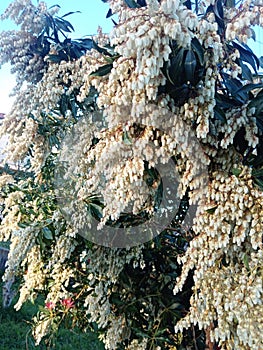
[(15, 332)]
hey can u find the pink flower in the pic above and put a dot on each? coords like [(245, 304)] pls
[(50, 305), (67, 303)]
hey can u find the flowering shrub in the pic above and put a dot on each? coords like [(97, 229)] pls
[(152, 134)]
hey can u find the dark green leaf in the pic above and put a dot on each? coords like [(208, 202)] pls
[(101, 49), (95, 211), (64, 25), (132, 4), (211, 210), (174, 71), (219, 114), (109, 14), (218, 9), (246, 72), (198, 49), (70, 13), (188, 4), (246, 261), (247, 55), (51, 7), (257, 172), (86, 43), (104, 70), (47, 233), (55, 58), (126, 138), (248, 87), (190, 66), (236, 171)]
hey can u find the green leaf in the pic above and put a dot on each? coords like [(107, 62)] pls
[(54, 58), (219, 114), (126, 138), (190, 66), (211, 210), (247, 55), (132, 4), (257, 172), (246, 72), (246, 261), (175, 69), (96, 211), (101, 49), (70, 13), (104, 70), (198, 49), (249, 87), (175, 306), (64, 25), (47, 233), (109, 14), (236, 171)]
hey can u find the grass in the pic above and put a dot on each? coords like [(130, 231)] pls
[(15, 332)]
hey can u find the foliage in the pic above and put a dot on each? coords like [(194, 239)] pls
[(101, 124), (15, 331)]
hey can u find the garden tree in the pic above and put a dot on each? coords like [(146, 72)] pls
[(94, 121)]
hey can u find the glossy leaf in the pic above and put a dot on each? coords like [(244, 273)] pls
[(198, 49), (47, 233), (190, 66), (247, 55), (70, 13), (101, 49), (109, 13), (104, 70), (175, 70), (132, 4)]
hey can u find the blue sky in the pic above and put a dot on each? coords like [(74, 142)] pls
[(93, 13)]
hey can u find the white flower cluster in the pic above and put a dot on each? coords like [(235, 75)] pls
[(104, 273), (226, 257), (16, 46), (241, 22), (236, 119)]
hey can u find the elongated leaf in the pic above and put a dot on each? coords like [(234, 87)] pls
[(188, 4), (109, 14), (95, 211), (64, 25), (247, 55), (175, 70), (218, 9), (51, 7), (132, 4), (47, 233), (70, 13), (219, 114), (85, 43), (226, 102), (211, 210), (101, 49), (198, 49), (190, 66), (246, 72), (104, 70), (249, 87), (142, 3), (55, 58)]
